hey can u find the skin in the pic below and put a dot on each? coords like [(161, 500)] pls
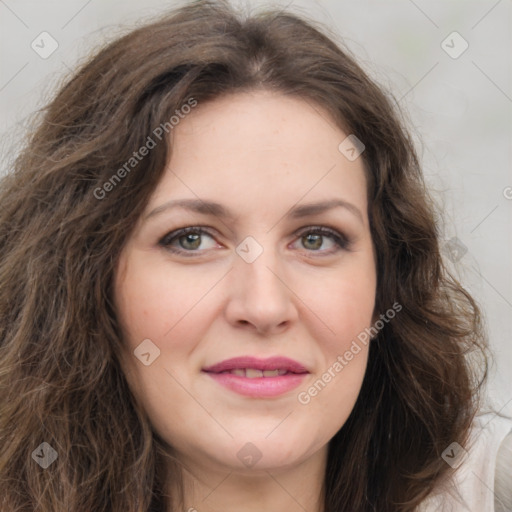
[(259, 154)]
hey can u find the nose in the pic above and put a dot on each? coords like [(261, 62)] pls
[(260, 298)]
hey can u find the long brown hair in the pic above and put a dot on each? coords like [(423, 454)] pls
[(62, 230)]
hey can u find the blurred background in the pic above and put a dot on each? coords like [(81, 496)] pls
[(448, 64)]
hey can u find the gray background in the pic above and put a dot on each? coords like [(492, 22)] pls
[(459, 109)]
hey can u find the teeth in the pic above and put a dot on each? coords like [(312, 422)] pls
[(252, 373)]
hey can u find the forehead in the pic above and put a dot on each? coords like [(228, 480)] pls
[(260, 145)]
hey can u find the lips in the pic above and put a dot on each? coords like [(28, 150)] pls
[(253, 373), (252, 367), (258, 378)]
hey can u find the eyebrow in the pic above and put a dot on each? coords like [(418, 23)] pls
[(194, 205), (311, 209), (296, 212)]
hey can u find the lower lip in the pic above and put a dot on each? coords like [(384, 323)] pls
[(259, 387)]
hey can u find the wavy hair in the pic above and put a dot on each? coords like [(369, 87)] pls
[(60, 241)]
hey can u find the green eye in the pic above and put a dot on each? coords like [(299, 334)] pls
[(312, 242), (321, 240), (190, 242)]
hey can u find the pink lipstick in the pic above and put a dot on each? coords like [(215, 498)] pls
[(258, 378)]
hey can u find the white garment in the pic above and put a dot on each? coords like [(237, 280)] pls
[(472, 486)]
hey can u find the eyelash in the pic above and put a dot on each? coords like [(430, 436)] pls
[(342, 242)]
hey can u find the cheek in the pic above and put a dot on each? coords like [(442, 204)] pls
[(153, 305), (344, 306), (149, 307), (344, 303), (355, 306)]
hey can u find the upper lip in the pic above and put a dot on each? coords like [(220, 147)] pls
[(244, 362)]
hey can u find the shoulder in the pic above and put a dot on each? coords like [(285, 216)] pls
[(472, 486), (503, 476)]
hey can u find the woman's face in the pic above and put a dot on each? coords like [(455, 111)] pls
[(276, 261)]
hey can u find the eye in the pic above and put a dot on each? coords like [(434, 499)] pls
[(322, 240), (191, 239)]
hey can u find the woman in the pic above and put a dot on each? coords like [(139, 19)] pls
[(222, 287)]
